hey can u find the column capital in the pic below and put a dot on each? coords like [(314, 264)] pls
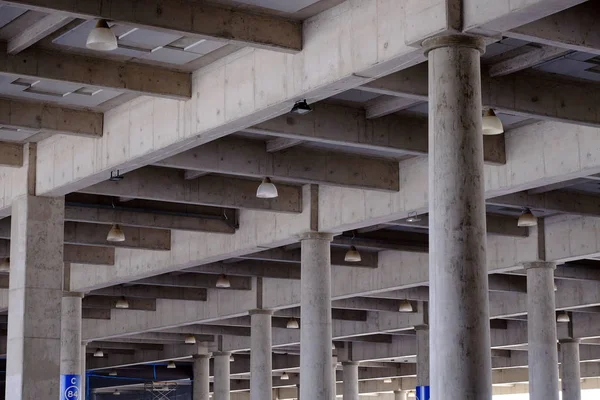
[(349, 363), (200, 356), (569, 340), (73, 294), (260, 311), (539, 264), (221, 354), (316, 236), (473, 42)]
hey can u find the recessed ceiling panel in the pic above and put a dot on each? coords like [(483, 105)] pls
[(9, 14), (13, 134), (289, 6)]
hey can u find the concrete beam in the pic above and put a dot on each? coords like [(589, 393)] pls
[(264, 269), (95, 313), (211, 330), (92, 346), (188, 175), (47, 118), (280, 144), (11, 154), (195, 281), (153, 292), (526, 60), (140, 218), (386, 240), (368, 259), (186, 18), (33, 34), (89, 254), (386, 105), (556, 201), (104, 302), (346, 126), (249, 158), (101, 73), (165, 184)]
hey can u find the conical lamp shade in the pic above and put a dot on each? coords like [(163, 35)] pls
[(527, 219), (405, 306), (101, 38), (491, 124), (116, 392), (292, 324), (190, 339), (267, 190), (223, 282), (284, 377), (122, 303), (563, 317), (98, 353), (115, 234), (171, 365), (231, 358), (5, 265), (352, 255)]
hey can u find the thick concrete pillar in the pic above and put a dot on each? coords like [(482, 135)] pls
[(222, 386), (422, 355), (315, 316), (350, 380), (261, 360), (70, 346), (35, 298), (570, 366), (541, 331), (400, 394), (459, 305), (201, 386)]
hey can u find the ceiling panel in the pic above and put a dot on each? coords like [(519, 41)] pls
[(12, 134), (589, 69), (357, 96), (289, 6), (9, 13)]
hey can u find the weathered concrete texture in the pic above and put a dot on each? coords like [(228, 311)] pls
[(459, 317), (350, 380), (400, 394), (541, 331), (222, 383), (570, 369), (315, 316), (261, 380), (201, 385), (422, 356), (70, 336), (33, 358)]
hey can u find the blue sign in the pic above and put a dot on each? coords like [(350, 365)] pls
[(70, 387), (422, 392)]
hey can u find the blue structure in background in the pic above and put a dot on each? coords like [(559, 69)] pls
[(422, 392)]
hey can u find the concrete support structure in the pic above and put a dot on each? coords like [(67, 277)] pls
[(571, 369), (201, 388), (261, 361), (222, 381), (315, 316), (84, 394), (459, 317), (422, 355), (33, 357), (541, 331), (70, 339), (350, 380), (400, 394)]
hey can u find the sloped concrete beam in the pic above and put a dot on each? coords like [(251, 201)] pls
[(153, 292), (37, 32), (555, 201), (104, 302), (195, 281), (368, 260), (526, 60), (89, 254)]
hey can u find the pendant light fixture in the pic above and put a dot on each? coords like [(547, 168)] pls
[(101, 38), (190, 339), (491, 124), (171, 365), (115, 234), (387, 380), (333, 347), (405, 306), (555, 287), (301, 108), (413, 217), (352, 255), (292, 324), (5, 265), (112, 373), (231, 358), (98, 353), (267, 189), (223, 282), (563, 317), (284, 377), (122, 303), (527, 219), (116, 392)]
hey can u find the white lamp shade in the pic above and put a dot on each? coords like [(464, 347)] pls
[(387, 380), (115, 234), (223, 282), (98, 353), (101, 38), (231, 358), (267, 190), (527, 219), (563, 317), (5, 265), (171, 365), (405, 306), (116, 392), (352, 255), (491, 124), (112, 373), (284, 377), (292, 324), (122, 303), (190, 339)]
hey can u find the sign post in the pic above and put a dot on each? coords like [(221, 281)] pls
[(70, 387), (422, 392)]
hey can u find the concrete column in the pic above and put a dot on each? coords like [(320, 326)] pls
[(201, 386), (261, 360), (350, 380), (70, 344), (83, 371), (459, 305), (400, 394), (541, 331), (334, 362), (315, 317), (222, 386), (422, 355), (35, 298), (570, 366)]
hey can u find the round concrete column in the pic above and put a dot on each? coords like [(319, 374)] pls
[(316, 381), (350, 380), (70, 342), (541, 331), (459, 305), (571, 372), (422, 355), (261, 379), (400, 394), (222, 386), (201, 386)]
